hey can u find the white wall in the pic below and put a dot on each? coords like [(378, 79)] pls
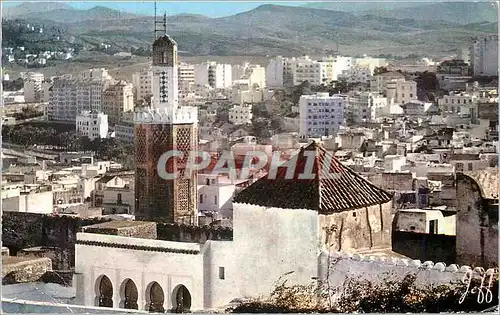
[(143, 267), (269, 242)]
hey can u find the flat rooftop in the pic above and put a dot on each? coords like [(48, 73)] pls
[(116, 224)]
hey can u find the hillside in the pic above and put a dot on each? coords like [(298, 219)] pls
[(455, 12), (275, 30)]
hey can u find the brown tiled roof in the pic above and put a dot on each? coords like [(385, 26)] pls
[(333, 188)]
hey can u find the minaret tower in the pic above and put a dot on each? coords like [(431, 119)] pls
[(165, 76), (159, 128)]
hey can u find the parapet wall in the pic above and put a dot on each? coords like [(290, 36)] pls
[(25, 230), (376, 269)]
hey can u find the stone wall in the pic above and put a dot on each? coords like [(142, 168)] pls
[(342, 266), (477, 222), (16, 270), (24, 230), (192, 234), (422, 246)]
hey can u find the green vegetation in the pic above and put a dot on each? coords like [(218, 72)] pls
[(27, 113), (363, 296), (30, 135), (13, 85)]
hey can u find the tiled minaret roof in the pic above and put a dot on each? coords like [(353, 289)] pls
[(330, 189)]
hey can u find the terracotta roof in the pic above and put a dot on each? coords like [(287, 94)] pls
[(333, 187)]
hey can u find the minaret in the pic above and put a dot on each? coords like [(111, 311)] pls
[(162, 127)]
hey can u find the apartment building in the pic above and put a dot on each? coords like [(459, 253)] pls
[(365, 106), (143, 84), (241, 114), (118, 99), (218, 76), (186, 76), (401, 91), (32, 86), (124, 130), (274, 73), (378, 82), (320, 115), (484, 56), (92, 124), (370, 63), (356, 74), (70, 96), (238, 71)]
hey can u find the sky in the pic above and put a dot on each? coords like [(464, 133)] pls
[(208, 8)]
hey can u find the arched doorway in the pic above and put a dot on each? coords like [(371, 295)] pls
[(155, 298), (181, 300), (104, 292), (129, 295)]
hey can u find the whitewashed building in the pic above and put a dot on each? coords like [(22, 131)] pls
[(32, 82), (70, 96), (92, 124), (401, 91), (484, 56), (241, 114), (274, 73), (278, 228), (320, 115), (218, 76), (142, 82)]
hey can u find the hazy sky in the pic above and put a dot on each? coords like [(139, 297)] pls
[(208, 8)]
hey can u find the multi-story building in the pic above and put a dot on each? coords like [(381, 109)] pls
[(365, 106), (320, 115), (218, 76), (458, 104), (92, 124), (241, 114), (256, 76), (356, 74), (124, 130), (484, 56), (142, 84), (274, 73), (186, 77), (401, 91), (118, 99), (33, 87), (96, 73), (238, 71), (160, 128), (370, 63), (70, 96), (378, 82)]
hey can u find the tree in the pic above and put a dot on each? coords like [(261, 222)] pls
[(380, 70)]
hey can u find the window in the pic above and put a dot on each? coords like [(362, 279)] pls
[(201, 198), (208, 181), (412, 228), (215, 199), (354, 214), (222, 274), (469, 166), (119, 199)]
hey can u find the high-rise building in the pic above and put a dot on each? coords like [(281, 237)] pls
[(142, 81), (320, 115), (162, 127), (484, 56), (117, 100)]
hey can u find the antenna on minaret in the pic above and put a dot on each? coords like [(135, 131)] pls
[(160, 26)]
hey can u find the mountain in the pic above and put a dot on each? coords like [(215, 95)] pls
[(25, 9), (63, 13), (360, 7), (457, 12), (273, 30)]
